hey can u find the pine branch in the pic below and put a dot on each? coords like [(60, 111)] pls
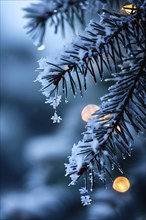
[(56, 13), (95, 52), (108, 133), (117, 45)]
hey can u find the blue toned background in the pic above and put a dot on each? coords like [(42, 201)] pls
[(33, 150)]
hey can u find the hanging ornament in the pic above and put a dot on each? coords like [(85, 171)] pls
[(87, 112), (121, 184)]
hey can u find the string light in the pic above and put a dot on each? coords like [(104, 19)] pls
[(129, 9), (121, 184), (87, 112)]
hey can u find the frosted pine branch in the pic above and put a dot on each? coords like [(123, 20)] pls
[(96, 154), (54, 12), (106, 43), (57, 13), (115, 45)]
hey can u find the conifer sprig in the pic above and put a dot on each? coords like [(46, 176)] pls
[(105, 43), (56, 13), (115, 45), (109, 133)]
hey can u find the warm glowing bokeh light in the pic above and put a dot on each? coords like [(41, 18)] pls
[(129, 9), (121, 184), (87, 112)]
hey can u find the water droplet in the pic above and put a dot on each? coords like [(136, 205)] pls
[(41, 47), (66, 101), (113, 166), (123, 156)]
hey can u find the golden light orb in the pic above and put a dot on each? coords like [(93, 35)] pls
[(88, 110), (121, 184), (129, 9)]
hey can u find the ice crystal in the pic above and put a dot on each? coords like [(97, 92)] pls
[(54, 101), (69, 169), (95, 145), (101, 176), (74, 177), (83, 190), (86, 200), (56, 118)]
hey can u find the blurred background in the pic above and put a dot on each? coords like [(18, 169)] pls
[(33, 149)]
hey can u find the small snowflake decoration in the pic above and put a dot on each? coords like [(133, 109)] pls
[(56, 118)]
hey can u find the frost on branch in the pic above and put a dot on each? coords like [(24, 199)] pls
[(100, 50), (115, 44), (55, 100), (54, 12), (96, 154), (83, 190), (57, 13)]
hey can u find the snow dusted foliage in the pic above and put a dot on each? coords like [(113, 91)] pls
[(115, 44), (55, 100), (56, 13), (96, 154), (104, 43)]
